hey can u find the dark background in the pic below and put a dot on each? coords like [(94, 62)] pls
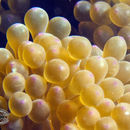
[(53, 8)]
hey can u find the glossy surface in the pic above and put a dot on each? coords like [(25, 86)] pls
[(124, 69), (13, 82), (113, 88), (66, 111), (80, 80), (40, 111), (99, 13), (120, 14), (105, 107), (121, 114), (81, 11), (35, 86), (106, 123), (98, 66), (36, 19), (36, 55), (20, 104), (16, 34), (116, 47), (56, 70), (91, 95), (79, 48), (87, 117), (57, 25)]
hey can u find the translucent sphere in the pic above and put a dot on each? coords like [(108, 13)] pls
[(79, 81), (66, 111), (35, 86), (121, 114), (17, 66), (79, 48), (125, 32), (81, 11), (113, 66), (113, 88), (101, 35), (56, 70), (98, 66), (36, 19), (105, 107), (40, 111), (20, 104), (124, 71), (46, 40), (57, 25), (55, 96), (13, 82), (91, 95), (87, 117), (120, 14), (116, 47), (5, 57), (16, 34), (34, 55), (99, 13), (106, 123)]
